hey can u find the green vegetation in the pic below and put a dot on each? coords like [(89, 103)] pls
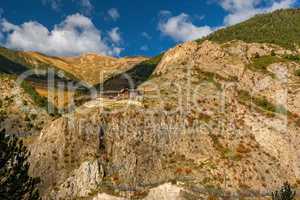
[(260, 64), (261, 102), (138, 74), (295, 58), (15, 183), (231, 155), (38, 100), (143, 71), (211, 77), (297, 72), (285, 193), (280, 27)]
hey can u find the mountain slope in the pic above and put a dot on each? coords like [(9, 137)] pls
[(280, 27), (17, 62), (95, 69), (22, 111), (90, 68), (217, 119)]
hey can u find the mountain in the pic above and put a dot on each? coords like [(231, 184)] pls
[(85, 70), (94, 69), (213, 119), (90, 68), (207, 119), (217, 118)]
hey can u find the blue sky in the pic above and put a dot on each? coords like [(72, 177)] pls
[(119, 27)]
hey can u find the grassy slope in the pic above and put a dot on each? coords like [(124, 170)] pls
[(18, 63), (280, 27), (39, 100)]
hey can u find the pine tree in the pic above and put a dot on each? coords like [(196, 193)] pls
[(285, 193), (15, 183)]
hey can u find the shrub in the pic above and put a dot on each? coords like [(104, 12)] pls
[(295, 58), (262, 102), (285, 193), (15, 183), (297, 72), (261, 63)]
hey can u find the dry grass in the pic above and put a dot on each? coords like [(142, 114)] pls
[(61, 99)]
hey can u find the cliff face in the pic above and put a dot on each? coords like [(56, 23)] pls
[(213, 120)]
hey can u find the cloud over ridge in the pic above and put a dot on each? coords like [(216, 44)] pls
[(75, 35), (180, 28)]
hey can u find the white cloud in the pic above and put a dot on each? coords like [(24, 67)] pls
[(86, 6), (115, 35), (165, 13), (180, 28), (55, 4), (199, 17), (113, 13), (75, 35), (146, 35), (282, 5), (241, 10)]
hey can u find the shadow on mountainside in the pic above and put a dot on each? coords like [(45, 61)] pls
[(132, 78), (13, 68)]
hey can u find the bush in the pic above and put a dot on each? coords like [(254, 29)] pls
[(295, 58), (297, 72), (285, 193), (262, 102), (261, 63)]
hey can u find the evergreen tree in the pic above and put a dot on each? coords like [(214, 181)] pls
[(15, 183), (285, 193)]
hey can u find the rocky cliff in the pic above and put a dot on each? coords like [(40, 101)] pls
[(213, 120)]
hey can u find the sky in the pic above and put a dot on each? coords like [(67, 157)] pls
[(119, 27)]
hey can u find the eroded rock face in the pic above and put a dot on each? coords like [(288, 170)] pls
[(81, 183), (165, 191), (63, 146), (211, 130)]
